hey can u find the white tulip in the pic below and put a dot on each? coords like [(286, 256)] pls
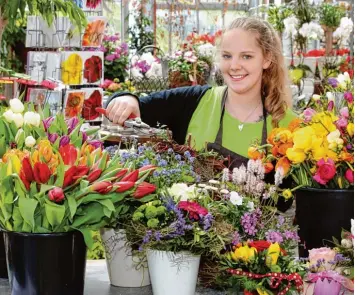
[(18, 119), (16, 105), (8, 115), (30, 141), (32, 118), (18, 134)]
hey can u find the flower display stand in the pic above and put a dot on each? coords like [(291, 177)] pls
[(46, 263), (124, 269), (321, 214), (173, 273)]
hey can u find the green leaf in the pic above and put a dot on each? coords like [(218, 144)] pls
[(60, 173), (21, 141), (147, 198), (54, 213), (108, 205), (72, 205), (27, 209), (87, 237), (92, 131), (84, 184), (17, 219)]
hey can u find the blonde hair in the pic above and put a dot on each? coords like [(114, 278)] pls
[(274, 80)]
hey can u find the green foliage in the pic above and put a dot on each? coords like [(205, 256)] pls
[(276, 16), (140, 35), (97, 251), (330, 15)]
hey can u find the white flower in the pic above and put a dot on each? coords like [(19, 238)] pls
[(16, 105), (182, 191), (333, 136), (343, 32), (148, 57), (30, 141), (190, 56), (32, 118), (291, 24), (18, 119), (224, 191), (343, 80), (330, 96), (206, 50), (236, 199), (250, 206), (316, 97), (212, 188), (136, 72), (352, 226), (312, 31), (18, 134), (213, 181), (346, 243), (8, 115), (154, 71)]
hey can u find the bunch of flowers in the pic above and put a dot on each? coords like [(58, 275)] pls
[(317, 149), (146, 65), (312, 31), (112, 86), (198, 39), (331, 270), (343, 32), (115, 57)]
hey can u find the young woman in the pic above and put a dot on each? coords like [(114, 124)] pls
[(226, 119)]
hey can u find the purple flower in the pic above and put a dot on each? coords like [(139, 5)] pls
[(124, 47), (348, 96), (110, 57), (114, 38), (207, 221), (236, 238), (280, 220), (72, 123), (291, 235), (96, 143), (333, 82), (143, 66), (64, 140), (274, 236), (52, 137), (47, 122), (249, 222), (330, 106)]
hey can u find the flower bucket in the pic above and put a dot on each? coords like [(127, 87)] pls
[(3, 266), (41, 264), (321, 214), (173, 273), (124, 270)]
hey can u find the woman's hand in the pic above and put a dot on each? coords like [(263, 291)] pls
[(120, 108)]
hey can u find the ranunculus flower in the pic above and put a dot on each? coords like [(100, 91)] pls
[(349, 175), (325, 171), (144, 189), (69, 154), (325, 253), (16, 105), (32, 118), (41, 172), (18, 120), (30, 141), (56, 195)]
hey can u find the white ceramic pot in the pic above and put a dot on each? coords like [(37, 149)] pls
[(173, 273), (124, 269)]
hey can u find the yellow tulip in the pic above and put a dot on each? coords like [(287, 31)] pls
[(296, 155), (350, 129), (302, 138), (9, 168), (16, 164), (272, 254), (244, 253)]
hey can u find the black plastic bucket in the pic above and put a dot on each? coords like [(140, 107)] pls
[(3, 266), (46, 264), (321, 214)]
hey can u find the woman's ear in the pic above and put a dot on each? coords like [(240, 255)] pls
[(267, 61)]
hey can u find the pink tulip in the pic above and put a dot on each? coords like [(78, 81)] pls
[(349, 175)]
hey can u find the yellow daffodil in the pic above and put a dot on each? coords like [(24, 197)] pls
[(302, 138), (296, 156), (244, 253), (72, 69), (272, 254)]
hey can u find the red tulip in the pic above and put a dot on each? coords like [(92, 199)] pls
[(81, 171), (94, 175), (260, 245), (41, 172), (56, 195), (123, 186), (69, 154), (132, 176), (25, 180), (121, 173), (69, 176), (147, 167), (27, 169), (144, 189), (102, 187)]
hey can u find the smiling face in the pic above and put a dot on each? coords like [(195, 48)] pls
[(242, 61)]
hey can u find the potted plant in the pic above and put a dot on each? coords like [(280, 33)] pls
[(316, 151), (54, 190)]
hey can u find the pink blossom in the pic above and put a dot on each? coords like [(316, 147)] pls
[(342, 123), (326, 287), (308, 114), (349, 175), (110, 57), (344, 112), (325, 171), (348, 96)]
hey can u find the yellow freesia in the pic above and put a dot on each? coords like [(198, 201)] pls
[(302, 138), (72, 69), (244, 253), (272, 254), (296, 156), (319, 149), (350, 129), (323, 123)]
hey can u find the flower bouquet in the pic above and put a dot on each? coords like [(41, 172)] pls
[(112, 86)]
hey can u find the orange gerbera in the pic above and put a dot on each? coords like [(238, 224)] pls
[(74, 104), (94, 33)]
